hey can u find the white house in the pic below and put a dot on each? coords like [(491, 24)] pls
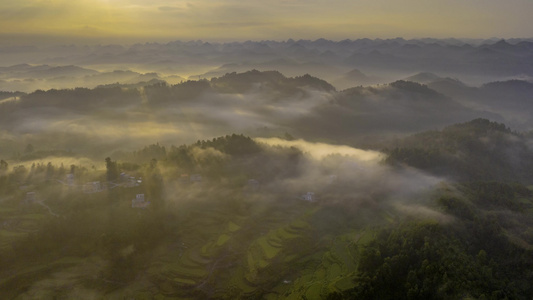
[(129, 181), (70, 179), (310, 196), (139, 202)]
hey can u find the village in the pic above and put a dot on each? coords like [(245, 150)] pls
[(140, 201)]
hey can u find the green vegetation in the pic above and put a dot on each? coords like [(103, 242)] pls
[(215, 237), (476, 150)]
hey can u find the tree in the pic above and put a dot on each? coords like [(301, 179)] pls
[(154, 185), (3, 165), (153, 163), (112, 169), (29, 148), (61, 171), (49, 171)]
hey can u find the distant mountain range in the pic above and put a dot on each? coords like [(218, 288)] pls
[(382, 61), (27, 78)]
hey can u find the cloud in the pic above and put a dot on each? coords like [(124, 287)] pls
[(321, 150), (421, 212), (285, 18), (57, 161), (352, 178), (170, 8)]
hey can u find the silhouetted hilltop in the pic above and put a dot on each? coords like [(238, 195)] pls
[(44, 71), (5, 95), (401, 106), (474, 61), (475, 150), (355, 74), (242, 82), (352, 78), (510, 85), (513, 96), (414, 87), (423, 77)]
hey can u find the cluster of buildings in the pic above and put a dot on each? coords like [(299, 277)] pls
[(139, 202), (96, 186), (309, 196), (129, 181)]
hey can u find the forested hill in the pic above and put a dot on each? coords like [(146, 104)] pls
[(232, 217), (229, 83), (401, 106), (269, 84), (475, 150), (252, 102), (244, 82), (489, 238)]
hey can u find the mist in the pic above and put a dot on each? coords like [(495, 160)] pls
[(313, 169), (351, 177)]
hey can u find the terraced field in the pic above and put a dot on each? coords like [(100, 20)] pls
[(273, 249), (220, 254), (16, 221)]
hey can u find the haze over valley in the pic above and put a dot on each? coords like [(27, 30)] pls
[(172, 150)]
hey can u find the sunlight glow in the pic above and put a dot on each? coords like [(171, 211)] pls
[(223, 20)]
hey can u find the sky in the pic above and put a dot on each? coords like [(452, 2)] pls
[(127, 21)]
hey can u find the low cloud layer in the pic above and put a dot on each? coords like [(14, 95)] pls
[(321, 150), (351, 177)]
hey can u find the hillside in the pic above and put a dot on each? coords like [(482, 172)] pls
[(240, 218), (398, 107), (475, 150)]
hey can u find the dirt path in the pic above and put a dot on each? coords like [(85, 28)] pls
[(48, 207)]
